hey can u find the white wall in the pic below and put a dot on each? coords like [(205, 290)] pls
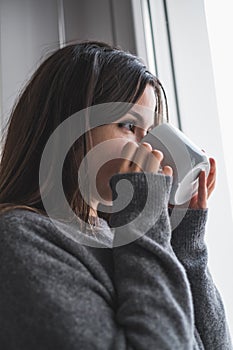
[(107, 20), (29, 29)]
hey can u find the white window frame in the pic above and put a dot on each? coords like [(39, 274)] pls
[(153, 45)]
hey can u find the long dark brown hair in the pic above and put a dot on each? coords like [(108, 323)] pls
[(71, 79)]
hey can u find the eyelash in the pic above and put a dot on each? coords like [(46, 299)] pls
[(123, 125)]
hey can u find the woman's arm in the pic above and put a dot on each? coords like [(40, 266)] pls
[(188, 226), (154, 300), (189, 245)]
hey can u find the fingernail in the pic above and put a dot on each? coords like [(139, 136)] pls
[(146, 144)]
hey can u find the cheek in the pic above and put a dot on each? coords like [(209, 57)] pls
[(107, 170), (104, 175), (103, 162), (106, 152)]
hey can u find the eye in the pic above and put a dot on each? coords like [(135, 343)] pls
[(129, 125)]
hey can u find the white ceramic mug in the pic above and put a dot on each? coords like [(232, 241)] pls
[(186, 159)]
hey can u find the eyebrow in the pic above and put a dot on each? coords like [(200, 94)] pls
[(139, 116)]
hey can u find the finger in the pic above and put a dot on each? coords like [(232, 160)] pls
[(212, 174), (211, 184), (210, 189), (202, 191), (127, 154), (140, 157), (167, 170), (212, 171), (154, 159), (211, 180)]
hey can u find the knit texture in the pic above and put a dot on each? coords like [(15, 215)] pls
[(154, 292)]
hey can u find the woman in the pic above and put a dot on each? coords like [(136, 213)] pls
[(58, 293)]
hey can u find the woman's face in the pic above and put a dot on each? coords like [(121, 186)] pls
[(108, 141)]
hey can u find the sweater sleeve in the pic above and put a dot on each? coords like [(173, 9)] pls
[(189, 245), (53, 295), (154, 298)]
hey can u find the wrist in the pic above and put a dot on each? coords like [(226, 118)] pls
[(146, 193), (188, 227)]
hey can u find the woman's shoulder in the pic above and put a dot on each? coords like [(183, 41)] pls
[(27, 233), (35, 230), (20, 216), (16, 223), (33, 240)]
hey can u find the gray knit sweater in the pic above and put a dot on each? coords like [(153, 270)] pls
[(153, 293)]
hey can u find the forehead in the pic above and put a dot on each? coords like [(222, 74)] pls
[(142, 112), (147, 99), (144, 109), (144, 117)]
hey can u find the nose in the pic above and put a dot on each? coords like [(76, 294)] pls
[(140, 134)]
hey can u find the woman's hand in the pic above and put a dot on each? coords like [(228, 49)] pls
[(205, 187), (138, 158)]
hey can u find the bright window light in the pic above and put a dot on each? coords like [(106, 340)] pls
[(220, 28)]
